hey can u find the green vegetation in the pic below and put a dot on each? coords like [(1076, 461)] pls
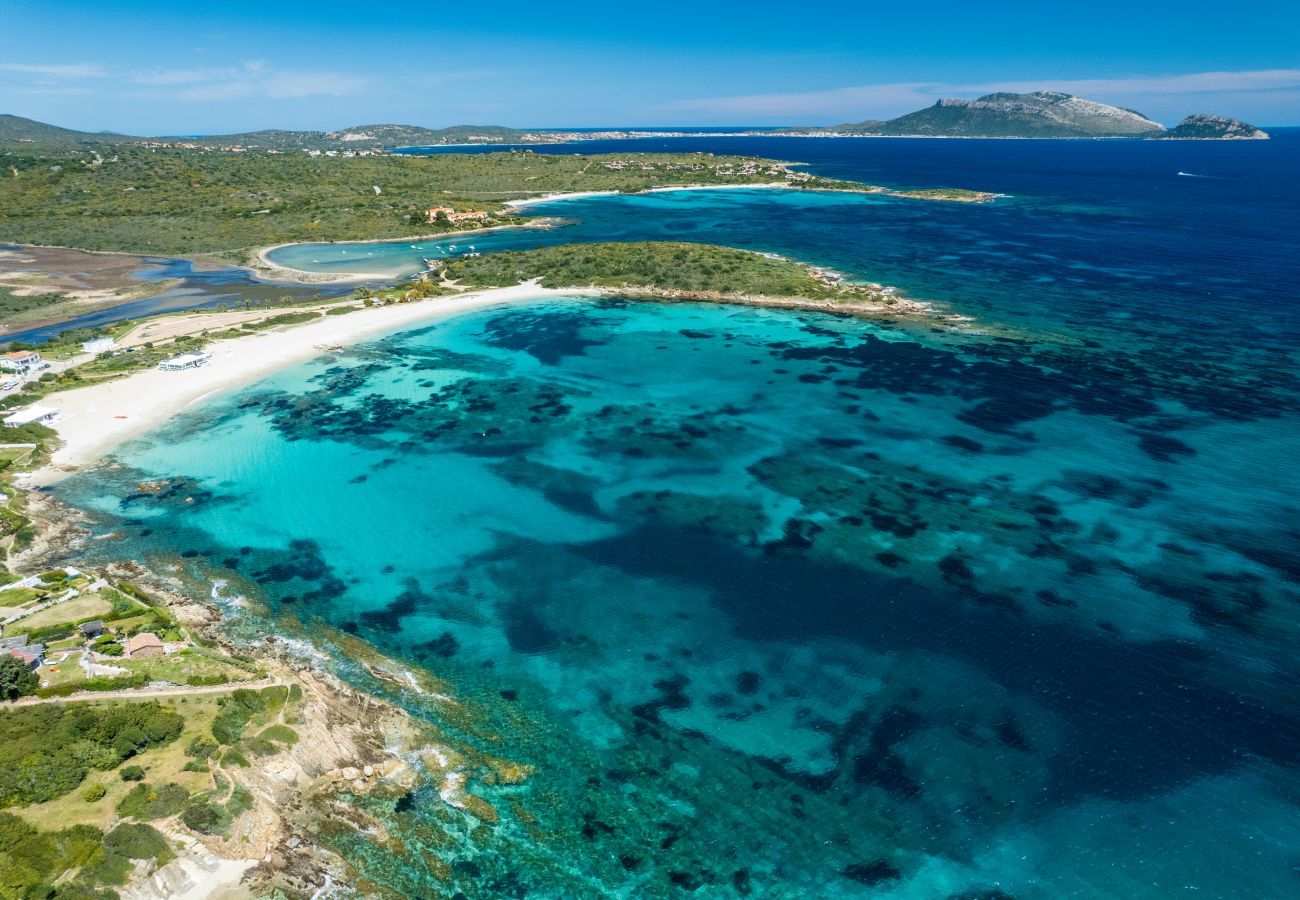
[(190, 201), (136, 841), (77, 862), (666, 266), (94, 793), (132, 773), (242, 707), (16, 680), (47, 750), (148, 803)]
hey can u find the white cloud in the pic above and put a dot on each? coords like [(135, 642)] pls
[(249, 79), (71, 70), (892, 99)]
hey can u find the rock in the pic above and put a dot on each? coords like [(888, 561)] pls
[(369, 771), (1204, 127)]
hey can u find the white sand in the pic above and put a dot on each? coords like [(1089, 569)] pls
[(578, 195), (98, 418)]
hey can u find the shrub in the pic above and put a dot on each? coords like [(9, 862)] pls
[(16, 680), (132, 773), (112, 648), (205, 817), (282, 733), (94, 793), (148, 803), (136, 841), (201, 747)]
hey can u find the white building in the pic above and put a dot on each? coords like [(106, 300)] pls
[(42, 414), (191, 360), (20, 360), (99, 345)]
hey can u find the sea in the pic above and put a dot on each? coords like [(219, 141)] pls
[(782, 604)]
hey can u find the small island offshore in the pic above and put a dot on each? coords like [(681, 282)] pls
[(201, 716)]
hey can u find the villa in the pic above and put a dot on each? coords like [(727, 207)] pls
[(455, 218), (191, 360), (42, 415), (20, 360)]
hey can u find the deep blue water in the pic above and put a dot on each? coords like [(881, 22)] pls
[(791, 605)]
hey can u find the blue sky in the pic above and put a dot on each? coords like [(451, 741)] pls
[(149, 67)]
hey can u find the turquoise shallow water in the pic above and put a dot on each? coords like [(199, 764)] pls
[(723, 560), (787, 605)]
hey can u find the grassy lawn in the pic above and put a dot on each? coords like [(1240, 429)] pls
[(181, 668), (17, 597), (67, 672), (69, 611), (162, 765)]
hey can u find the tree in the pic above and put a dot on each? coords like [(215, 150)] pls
[(16, 680)]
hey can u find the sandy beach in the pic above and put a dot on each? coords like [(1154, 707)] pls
[(96, 419), (579, 195)]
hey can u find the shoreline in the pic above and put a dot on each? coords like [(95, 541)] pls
[(97, 418), (261, 265)]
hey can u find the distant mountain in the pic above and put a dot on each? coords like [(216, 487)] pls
[(359, 137), (1042, 114), (1204, 127), (17, 130)]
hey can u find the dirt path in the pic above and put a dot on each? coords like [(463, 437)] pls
[(146, 693)]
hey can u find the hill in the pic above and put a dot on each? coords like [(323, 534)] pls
[(1042, 114), (359, 137), (1204, 127), (18, 130)]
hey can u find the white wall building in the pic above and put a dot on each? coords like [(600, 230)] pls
[(191, 360), (42, 414), (99, 345), (20, 360)]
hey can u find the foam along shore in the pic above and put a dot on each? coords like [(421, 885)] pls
[(93, 420)]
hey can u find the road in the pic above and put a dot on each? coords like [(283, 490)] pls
[(147, 693)]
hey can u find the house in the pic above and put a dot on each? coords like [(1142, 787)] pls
[(20, 361), (99, 345), (11, 643), (191, 360), (90, 630), (144, 645), (43, 415), (33, 655), (459, 218), (455, 218)]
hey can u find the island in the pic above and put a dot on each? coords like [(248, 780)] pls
[(1202, 127), (1040, 114)]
